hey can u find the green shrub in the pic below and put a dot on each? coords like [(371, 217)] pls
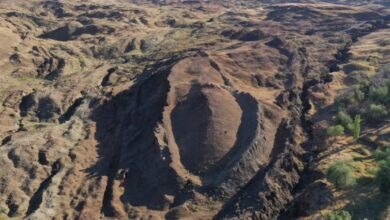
[(340, 174), (337, 130), (382, 154), (379, 94), (353, 97), (343, 119), (358, 95), (338, 215), (383, 175), (364, 85), (375, 113), (342, 102)]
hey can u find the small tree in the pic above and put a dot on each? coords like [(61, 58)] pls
[(355, 128), (338, 215), (334, 131), (376, 113), (379, 94), (382, 154), (340, 174), (383, 176)]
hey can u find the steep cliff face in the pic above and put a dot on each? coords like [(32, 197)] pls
[(140, 111)]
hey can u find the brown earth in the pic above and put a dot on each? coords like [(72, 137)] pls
[(134, 110)]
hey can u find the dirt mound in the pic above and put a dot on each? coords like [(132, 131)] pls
[(199, 131), (210, 132)]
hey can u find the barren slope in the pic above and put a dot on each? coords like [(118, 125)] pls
[(177, 111)]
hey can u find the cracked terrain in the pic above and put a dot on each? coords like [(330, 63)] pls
[(178, 109)]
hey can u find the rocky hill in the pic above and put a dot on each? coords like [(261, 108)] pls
[(211, 110)]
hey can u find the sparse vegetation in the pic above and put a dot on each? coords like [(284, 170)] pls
[(354, 101), (382, 154), (367, 101), (345, 122), (383, 175), (363, 111), (379, 94), (340, 174), (344, 119), (338, 215), (335, 131), (376, 113), (364, 85), (353, 97)]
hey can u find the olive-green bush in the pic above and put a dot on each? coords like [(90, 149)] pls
[(338, 215), (336, 130), (379, 94), (344, 119), (382, 154), (383, 175), (354, 96), (376, 113), (340, 174)]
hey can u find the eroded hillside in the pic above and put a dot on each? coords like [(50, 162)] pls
[(177, 111)]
